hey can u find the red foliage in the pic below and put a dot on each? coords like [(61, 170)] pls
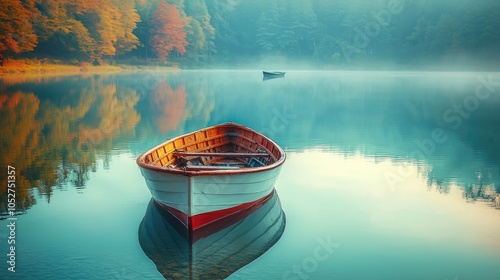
[(167, 32)]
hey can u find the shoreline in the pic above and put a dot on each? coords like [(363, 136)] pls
[(37, 68), (55, 69)]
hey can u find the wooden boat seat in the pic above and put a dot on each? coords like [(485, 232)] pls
[(253, 162), (211, 154), (225, 163), (210, 167)]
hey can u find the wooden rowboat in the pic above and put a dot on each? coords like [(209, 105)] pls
[(216, 250), (272, 75), (208, 174)]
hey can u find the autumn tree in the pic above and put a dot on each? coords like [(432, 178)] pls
[(127, 40), (16, 28), (87, 30), (62, 32), (167, 31), (103, 24)]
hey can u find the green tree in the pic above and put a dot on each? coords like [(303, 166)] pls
[(200, 33), (221, 14), (288, 27), (269, 28), (443, 37), (301, 21), (242, 24)]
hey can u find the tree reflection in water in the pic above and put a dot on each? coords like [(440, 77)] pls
[(57, 131), (55, 142)]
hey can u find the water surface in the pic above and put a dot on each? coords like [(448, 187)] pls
[(389, 175)]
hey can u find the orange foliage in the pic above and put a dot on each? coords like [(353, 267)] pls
[(3, 98), (89, 4), (14, 100), (16, 28), (19, 113), (14, 63), (168, 106), (82, 6)]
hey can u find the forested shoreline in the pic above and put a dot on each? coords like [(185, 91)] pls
[(211, 33)]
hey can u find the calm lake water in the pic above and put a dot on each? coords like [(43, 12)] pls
[(389, 175)]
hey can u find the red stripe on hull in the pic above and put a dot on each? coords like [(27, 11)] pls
[(195, 222), (229, 220)]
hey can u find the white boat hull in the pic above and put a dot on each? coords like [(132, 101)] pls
[(195, 195)]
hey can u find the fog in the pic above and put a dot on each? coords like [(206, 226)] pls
[(360, 34)]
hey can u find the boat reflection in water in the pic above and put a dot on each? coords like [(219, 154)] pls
[(215, 250)]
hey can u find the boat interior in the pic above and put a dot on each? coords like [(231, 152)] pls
[(224, 147)]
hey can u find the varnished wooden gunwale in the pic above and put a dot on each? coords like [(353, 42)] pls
[(223, 138)]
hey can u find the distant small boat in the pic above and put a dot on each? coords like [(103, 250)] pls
[(206, 175), (215, 251), (274, 74)]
